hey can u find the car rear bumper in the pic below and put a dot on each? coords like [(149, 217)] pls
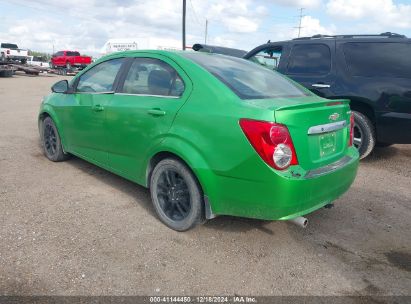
[(282, 198)]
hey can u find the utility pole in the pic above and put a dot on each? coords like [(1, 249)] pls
[(205, 33), (184, 24), (301, 18)]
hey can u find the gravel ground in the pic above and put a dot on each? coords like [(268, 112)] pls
[(74, 229)]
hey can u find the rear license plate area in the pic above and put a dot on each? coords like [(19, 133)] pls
[(327, 143)]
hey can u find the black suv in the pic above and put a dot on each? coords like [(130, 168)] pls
[(373, 71)]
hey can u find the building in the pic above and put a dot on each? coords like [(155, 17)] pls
[(146, 43)]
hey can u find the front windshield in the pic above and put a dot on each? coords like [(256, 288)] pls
[(246, 79)]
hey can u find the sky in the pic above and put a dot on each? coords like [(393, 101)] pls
[(85, 25)]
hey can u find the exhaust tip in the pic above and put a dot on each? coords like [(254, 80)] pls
[(300, 221)]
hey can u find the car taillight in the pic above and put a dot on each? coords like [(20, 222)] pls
[(8, 51), (272, 142), (350, 142)]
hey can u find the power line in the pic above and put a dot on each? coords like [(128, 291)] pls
[(299, 24), (206, 32), (195, 14)]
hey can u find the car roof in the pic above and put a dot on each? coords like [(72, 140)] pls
[(386, 35), (167, 53), (383, 37)]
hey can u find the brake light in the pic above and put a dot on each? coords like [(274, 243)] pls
[(350, 142), (8, 51), (271, 141), (334, 103)]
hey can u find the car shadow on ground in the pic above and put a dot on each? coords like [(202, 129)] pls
[(380, 153), (140, 194), (238, 224)]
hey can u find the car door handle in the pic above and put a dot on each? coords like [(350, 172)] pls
[(156, 112), (98, 108), (320, 85)]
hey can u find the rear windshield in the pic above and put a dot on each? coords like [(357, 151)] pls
[(247, 79), (385, 59), (9, 46), (72, 54)]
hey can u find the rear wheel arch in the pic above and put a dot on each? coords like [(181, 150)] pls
[(159, 156), (363, 107)]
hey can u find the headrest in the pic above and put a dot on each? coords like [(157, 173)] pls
[(159, 82)]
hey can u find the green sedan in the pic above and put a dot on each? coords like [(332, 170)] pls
[(208, 134)]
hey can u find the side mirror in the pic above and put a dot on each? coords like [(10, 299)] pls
[(61, 86)]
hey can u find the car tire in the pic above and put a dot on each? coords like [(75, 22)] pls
[(51, 142), (23, 61), (176, 195), (3, 58), (68, 66), (364, 134)]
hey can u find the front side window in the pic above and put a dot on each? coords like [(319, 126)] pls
[(148, 76), (269, 58), (311, 59), (247, 79), (100, 78), (384, 59)]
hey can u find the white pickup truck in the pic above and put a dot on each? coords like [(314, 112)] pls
[(38, 61), (11, 52)]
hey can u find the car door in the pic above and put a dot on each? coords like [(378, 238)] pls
[(311, 64), (142, 111), (84, 114), (59, 58)]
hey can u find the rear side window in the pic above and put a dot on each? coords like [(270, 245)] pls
[(100, 78), (382, 59), (149, 76), (247, 79), (72, 54), (311, 59)]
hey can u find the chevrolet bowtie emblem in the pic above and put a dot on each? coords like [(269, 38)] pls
[(334, 116)]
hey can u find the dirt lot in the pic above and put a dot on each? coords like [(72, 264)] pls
[(74, 229)]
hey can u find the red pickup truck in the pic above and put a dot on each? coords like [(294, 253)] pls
[(69, 59)]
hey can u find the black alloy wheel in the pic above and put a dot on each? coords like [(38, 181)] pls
[(51, 142), (173, 195), (176, 194)]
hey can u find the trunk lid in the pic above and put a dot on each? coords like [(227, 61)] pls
[(319, 128)]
